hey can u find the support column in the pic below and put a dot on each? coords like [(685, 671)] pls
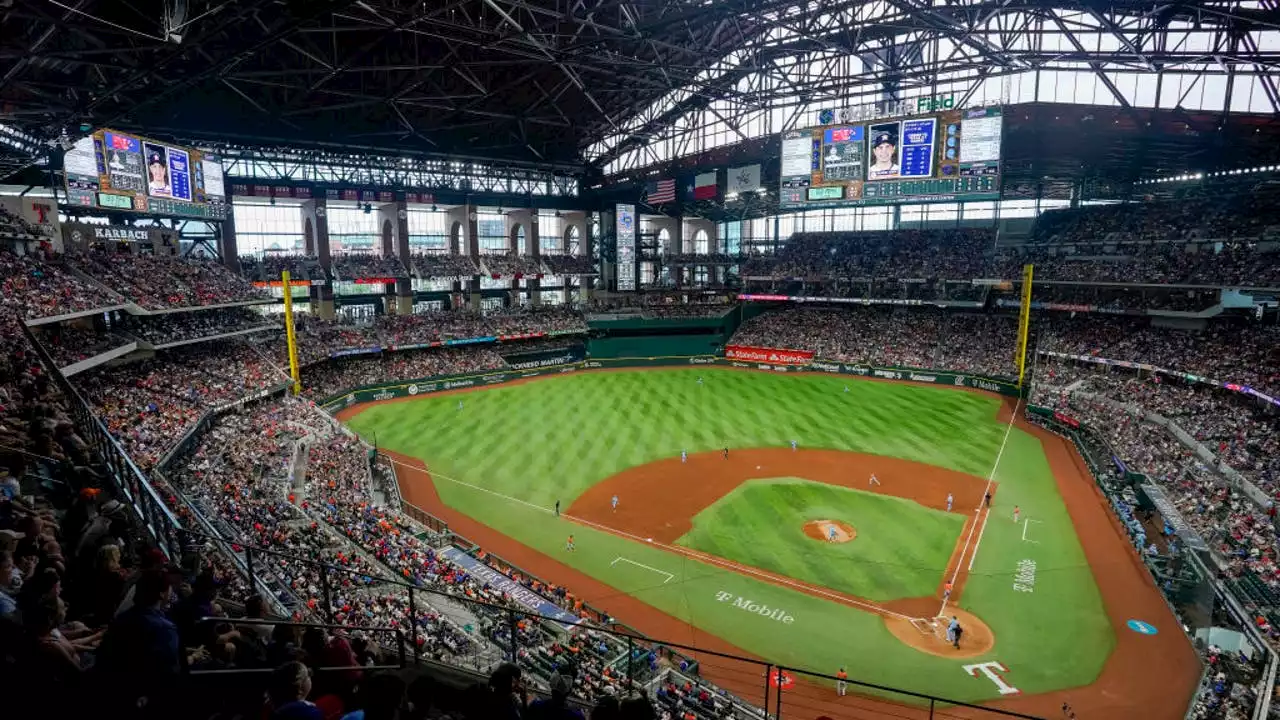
[(315, 230), (404, 288), (588, 249), (462, 219), (227, 242), (387, 248), (677, 242)]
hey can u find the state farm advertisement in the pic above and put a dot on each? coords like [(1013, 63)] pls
[(772, 356)]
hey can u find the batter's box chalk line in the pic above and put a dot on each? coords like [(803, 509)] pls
[(619, 559), (926, 626), (1025, 524)]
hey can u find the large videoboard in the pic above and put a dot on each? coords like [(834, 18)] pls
[(950, 156), (112, 170)]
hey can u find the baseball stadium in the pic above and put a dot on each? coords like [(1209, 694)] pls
[(669, 360)]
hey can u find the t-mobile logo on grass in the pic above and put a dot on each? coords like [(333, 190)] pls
[(775, 614)]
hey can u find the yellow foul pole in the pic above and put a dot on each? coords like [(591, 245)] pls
[(1024, 320), (289, 334)]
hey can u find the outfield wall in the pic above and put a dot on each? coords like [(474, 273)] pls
[(426, 386)]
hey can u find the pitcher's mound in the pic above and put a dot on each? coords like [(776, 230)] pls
[(822, 530)]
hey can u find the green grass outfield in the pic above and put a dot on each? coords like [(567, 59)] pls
[(901, 549), (552, 438)]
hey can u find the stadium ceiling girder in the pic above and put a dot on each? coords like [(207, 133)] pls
[(544, 80), (982, 40)]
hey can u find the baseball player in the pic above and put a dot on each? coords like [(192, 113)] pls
[(841, 685), (726, 453), (459, 404), (831, 533), (846, 388), (1016, 512), (684, 456), (946, 590), (953, 631), (699, 379), (986, 499), (874, 480), (568, 544), (959, 632), (949, 501), (793, 446), (614, 503), (557, 508)]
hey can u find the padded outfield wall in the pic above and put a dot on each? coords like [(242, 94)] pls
[(424, 386)]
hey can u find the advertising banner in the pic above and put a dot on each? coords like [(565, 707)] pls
[(773, 356), (425, 386), (524, 596)]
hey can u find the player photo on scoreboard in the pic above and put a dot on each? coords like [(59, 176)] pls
[(883, 140), (157, 159)]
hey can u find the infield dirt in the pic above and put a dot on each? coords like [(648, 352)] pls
[(1149, 676)]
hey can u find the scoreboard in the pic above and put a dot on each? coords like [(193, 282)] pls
[(941, 157), (119, 171)]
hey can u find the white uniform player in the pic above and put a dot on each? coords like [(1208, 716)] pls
[(614, 502), (949, 501), (874, 480), (684, 456)]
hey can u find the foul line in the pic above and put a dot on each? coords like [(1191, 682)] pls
[(646, 567), (709, 559), (1013, 417)]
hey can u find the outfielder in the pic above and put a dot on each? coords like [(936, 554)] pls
[(949, 501), (874, 480), (699, 380), (684, 456), (846, 388), (459, 404)]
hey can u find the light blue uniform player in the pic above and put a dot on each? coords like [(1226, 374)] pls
[(684, 456), (793, 446), (699, 380), (831, 533), (459, 404), (846, 388), (614, 502)]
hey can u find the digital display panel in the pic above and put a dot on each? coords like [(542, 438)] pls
[(946, 156), (120, 171)]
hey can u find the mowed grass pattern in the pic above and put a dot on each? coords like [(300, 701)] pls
[(553, 438), (901, 549)]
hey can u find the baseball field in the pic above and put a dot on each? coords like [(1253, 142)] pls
[(836, 552)]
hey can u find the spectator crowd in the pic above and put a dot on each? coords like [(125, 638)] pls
[(887, 337)]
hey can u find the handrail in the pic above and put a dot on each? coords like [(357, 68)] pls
[(156, 519)]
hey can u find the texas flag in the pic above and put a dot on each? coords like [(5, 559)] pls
[(704, 186)]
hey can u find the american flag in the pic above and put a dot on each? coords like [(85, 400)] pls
[(661, 191)]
